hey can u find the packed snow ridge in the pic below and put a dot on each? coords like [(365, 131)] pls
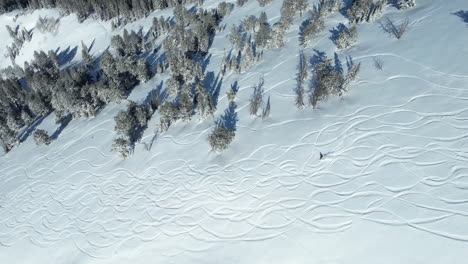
[(248, 131)]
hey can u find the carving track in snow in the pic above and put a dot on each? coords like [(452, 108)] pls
[(387, 164), (396, 157)]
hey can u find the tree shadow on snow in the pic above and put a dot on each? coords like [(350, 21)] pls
[(462, 14), (345, 7), (28, 131), (335, 32), (229, 118), (317, 58), (338, 64), (66, 120), (235, 87), (67, 55), (302, 28), (156, 96), (393, 3), (213, 85)]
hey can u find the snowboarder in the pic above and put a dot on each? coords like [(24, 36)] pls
[(321, 155)]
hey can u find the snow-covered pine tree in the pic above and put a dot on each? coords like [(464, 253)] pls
[(186, 103), (264, 2), (302, 73), (169, 113), (87, 58), (263, 35), (326, 81), (224, 9), (220, 138), (351, 76), (8, 137), (143, 70), (235, 37), (311, 29), (205, 106), (118, 43), (249, 57), (406, 4), (365, 10), (278, 32), (287, 13), (122, 146), (301, 6), (256, 100), (41, 137), (250, 24), (346, 37)]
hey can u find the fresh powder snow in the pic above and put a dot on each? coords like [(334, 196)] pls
[(392, 186)]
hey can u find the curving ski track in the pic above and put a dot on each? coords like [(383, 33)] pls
[(263, 195)]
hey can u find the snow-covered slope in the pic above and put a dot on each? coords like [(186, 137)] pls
[(392, 188)]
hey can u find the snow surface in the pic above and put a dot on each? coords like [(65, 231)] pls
[(393, 187)]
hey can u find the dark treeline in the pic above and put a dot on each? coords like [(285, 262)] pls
[(43, 86), (105, 9)]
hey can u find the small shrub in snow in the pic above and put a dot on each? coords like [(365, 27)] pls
[(397, 30), (122, 146), (378, 63), (41, 137), (231, 94), (220, 138), (256, 101), (406, 4)]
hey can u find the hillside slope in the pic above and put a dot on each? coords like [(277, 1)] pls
[(392, 187)]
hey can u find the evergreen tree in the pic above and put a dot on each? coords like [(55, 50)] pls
[(41, 137), (236, 38), (205, 106), (277, 40), (143, 70), (346, 37), (263, 35), (186, 103), (169, 114), (256, 100), (87, 58), (302, 73), (311, 29), (406, 4)]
